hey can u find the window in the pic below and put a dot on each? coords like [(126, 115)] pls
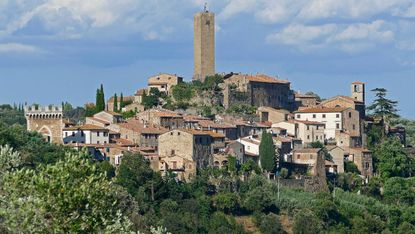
[(314, 116), (66, 134), (298, 156), (337, 126), (308, 127), (367, 165), (174, 165), (73, 134), (173, 152), (308, 137), (350, 114), (354, 127), (171, 133), (337, 115), (97, 142), (105, 142), (324, 116), (317, 127), (298, 116), (82, 133), (178, 133), (105, 134), (97, 134)]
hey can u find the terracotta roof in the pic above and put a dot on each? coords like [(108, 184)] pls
[(166, 113), (283, 139), (215, 134), (194, 118), (266, 79), (137, 126), (85, 127), (212, 124), (299, 95), (358, 82), (307, 150), (309, 122), (123, 141), (99, 120), (126, 98), (195, 132), (322, 110), (113, 113), (251, 154), (350, 99), (251, 141)]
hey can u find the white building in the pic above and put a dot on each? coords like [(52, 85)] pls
[(86, 134), (335, 119), (307, 131), (251, 145)]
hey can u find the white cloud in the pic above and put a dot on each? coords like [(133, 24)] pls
[(300, 34), (11, 48), (350, 38)]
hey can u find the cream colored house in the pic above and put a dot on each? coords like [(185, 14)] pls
[(164, 82)]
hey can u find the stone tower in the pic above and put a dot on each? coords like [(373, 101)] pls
[(204, 45), (358, 91), (46, 120)]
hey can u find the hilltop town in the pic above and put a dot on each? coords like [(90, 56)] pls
[(214, 153)]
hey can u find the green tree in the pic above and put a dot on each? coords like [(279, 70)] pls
[(399, 191), (226, 202), (152, 99), (305, 222), (100, 99), (70, 196), (383, 108), (122, 104), (137, 177), (267, 152), (115, 109), (269, 224), (392, 160)]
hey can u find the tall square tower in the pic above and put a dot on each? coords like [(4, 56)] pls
[(204, 45)]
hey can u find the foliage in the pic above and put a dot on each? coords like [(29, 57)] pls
[(269, 224), (100, 99), (90, 109), (9, 160), (267, 152), (75, 115), (284, 173), (399, 191), (69, 196), (383, 108), (392, 160), (409, 126), (152, 99), (128, 114), (242, 109), (183, 92), (349, 181), (306, 222), (12, 115), (226, 202), (351, 167), (115, 108)]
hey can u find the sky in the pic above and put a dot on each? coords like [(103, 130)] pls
[(62, 50)]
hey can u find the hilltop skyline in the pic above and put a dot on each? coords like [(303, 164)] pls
[(53, 51)]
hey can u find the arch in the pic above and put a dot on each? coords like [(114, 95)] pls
[(46, 133)]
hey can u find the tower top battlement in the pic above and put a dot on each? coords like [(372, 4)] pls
[(43, 109)]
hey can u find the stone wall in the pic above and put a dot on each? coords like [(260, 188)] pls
[(47, 121)]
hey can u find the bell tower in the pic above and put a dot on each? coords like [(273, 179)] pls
[(204, 44), (358, 91)]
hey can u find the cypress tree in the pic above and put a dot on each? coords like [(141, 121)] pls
[(267, 152), (121, 101), (115, 103), (102, 98)]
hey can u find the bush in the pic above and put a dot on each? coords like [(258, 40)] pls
[(269, 224), (305, 222)]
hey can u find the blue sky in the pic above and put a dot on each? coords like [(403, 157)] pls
[(55, 50)]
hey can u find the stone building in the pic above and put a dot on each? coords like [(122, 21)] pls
[(305, 100), (307, 131), (269, 114), (187, 149), (336, 164), (141, 134), (46, 120), (161, 117), (309, 160), (363, 159), (164, 82), (336, 119), (257, 90), (355, 101), (204, 45)]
